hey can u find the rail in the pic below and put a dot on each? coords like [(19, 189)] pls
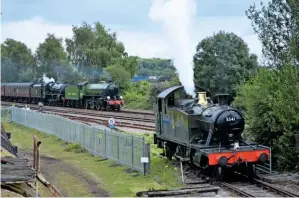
[(187, 190), (274, 189), (235, 189)]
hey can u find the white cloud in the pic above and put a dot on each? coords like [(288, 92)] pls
[(145, 44), (33, 31), (241, 26)]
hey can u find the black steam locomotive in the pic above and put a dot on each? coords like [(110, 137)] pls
[(207, 135)]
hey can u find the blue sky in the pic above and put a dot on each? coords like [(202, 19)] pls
[(30, 20)]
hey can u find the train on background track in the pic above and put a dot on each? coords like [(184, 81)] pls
[(206, 134), (100, 96)]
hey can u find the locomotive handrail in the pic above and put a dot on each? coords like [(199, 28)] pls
[(206, 109)]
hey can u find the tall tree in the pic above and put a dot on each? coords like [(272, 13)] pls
[(51, 56), (277, 25), (156, 67), (17, 62), (222, 62), (130, 64), (93, 46), (119, 75)]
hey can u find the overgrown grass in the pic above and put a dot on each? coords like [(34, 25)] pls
[(115, 179), (74, 147)]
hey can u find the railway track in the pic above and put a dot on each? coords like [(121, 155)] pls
[(189, 190), (115, 116), (141, 115), (236, 185), (256, 188), (103, 121), (88, 116)]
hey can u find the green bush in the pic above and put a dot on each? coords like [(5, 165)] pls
[(75, 148), (142, 94), (271, 102), (136, 96)]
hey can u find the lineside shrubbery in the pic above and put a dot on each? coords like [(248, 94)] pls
[(271, 103)]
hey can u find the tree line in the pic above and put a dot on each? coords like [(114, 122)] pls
[(93, 53), (267, 92)]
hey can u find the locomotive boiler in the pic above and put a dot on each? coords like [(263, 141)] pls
[(207, 135)]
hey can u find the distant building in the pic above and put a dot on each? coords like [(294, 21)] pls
[(140, 78), (151, 79)]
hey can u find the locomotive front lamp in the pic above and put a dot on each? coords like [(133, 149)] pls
[(223, 161), (263, 157), (108, 97), (236, 145), (120, 97)]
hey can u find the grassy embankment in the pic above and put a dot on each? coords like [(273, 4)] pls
[(113, 179)]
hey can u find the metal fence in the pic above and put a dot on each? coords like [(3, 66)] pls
[(266, 168), (125, 149)]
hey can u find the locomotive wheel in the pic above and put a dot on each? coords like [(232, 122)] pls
[(98, 106), (250, 170), (219, 173), (92, 105), (86, 104), (168, 153)]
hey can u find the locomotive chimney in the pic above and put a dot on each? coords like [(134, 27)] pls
[(202, 98), (222, 99)]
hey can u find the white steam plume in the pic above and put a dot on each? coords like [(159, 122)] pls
[(177, 19), (47, 80)]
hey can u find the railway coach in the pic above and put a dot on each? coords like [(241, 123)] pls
[(16, 91)]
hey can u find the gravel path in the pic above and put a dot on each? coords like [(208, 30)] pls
[(51, 166)]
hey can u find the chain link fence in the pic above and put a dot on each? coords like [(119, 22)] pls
[(125, 149)]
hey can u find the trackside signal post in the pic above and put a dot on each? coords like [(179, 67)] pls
[(111, 123)]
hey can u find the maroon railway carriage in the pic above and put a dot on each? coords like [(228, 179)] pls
[(17, 91), (36, 91), (2, 90)]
